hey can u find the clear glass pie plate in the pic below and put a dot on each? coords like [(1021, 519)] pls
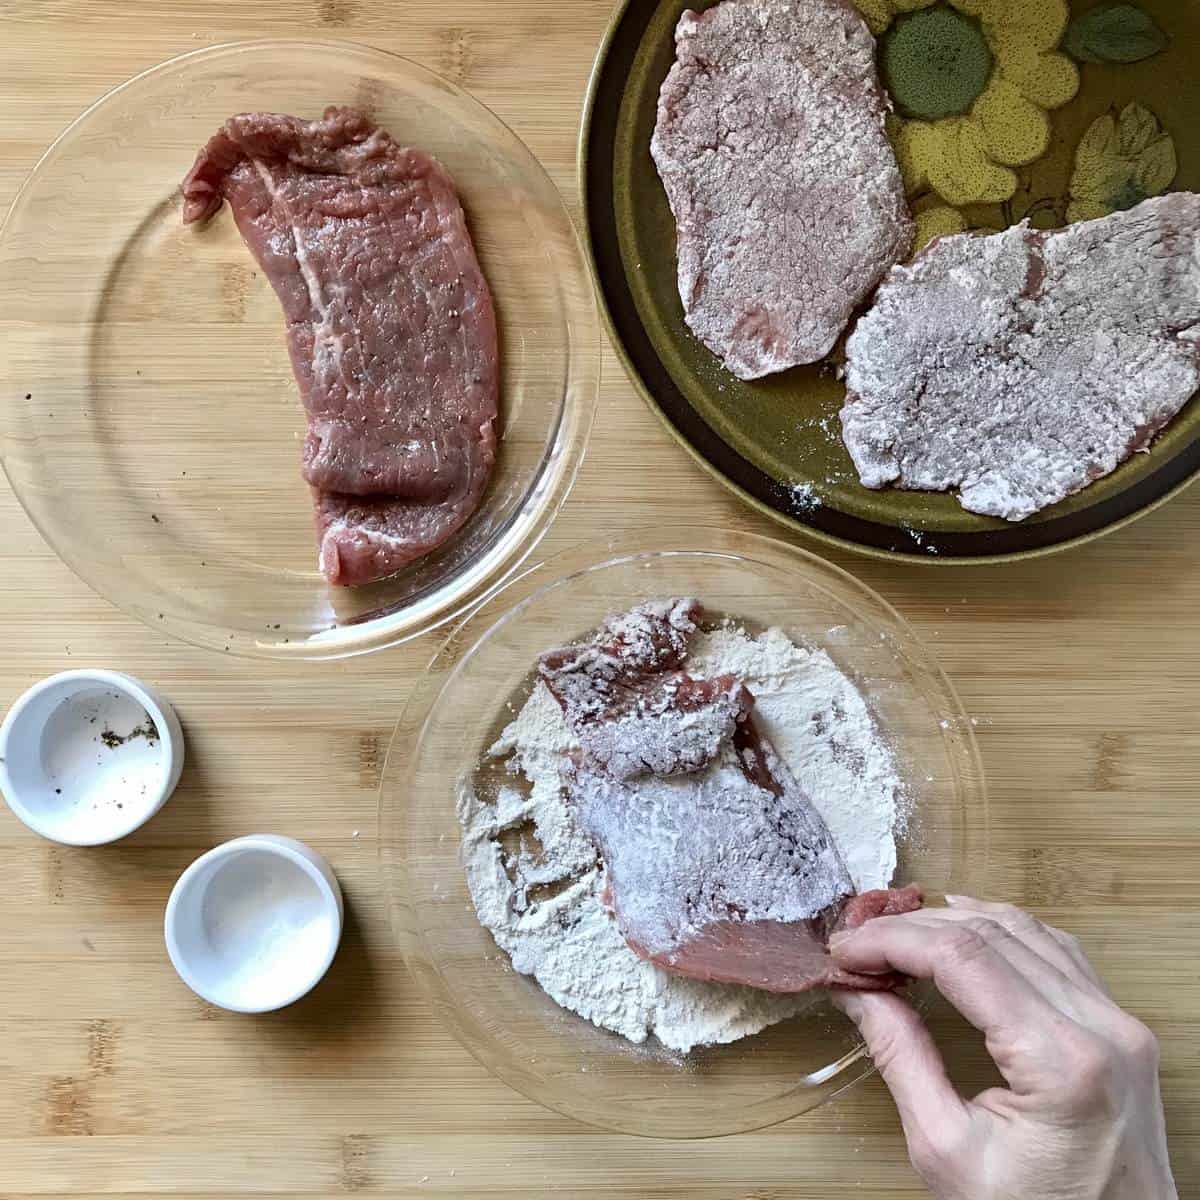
[(456, 712), (149, 421)]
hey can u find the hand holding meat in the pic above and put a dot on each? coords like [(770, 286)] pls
[(719, 867), (1082, 1117)]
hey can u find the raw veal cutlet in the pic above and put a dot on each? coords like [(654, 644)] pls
[(717, 865), (1020, 367), (788, 202), (390, 325)]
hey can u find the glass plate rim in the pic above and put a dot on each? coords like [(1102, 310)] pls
[(566, 446), (507, 605)]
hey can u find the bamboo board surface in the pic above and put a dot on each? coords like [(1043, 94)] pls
[(1082, 671)]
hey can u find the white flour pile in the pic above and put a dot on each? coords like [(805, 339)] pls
[(544, 908)]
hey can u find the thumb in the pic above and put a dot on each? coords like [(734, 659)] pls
[(910, 1063)]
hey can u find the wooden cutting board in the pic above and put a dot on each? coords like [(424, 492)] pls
[(1083, 672)]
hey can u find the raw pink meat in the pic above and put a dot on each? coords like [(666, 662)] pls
[(390, 323), (723, 871)]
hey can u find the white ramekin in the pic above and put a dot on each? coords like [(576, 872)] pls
[(254, 924), (87, 757)]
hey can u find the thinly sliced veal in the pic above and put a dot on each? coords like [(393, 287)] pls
[(718, 865), (391, 327)]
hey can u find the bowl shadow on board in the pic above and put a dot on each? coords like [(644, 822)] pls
[(141, 869), (187, 817), (346, 1010)]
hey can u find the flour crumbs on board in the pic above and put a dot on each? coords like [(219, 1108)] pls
[(537, 885)]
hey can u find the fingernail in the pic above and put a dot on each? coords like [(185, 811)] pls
[(951, 901)]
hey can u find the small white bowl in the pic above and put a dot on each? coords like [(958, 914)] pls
[(87, 757), (254, 924)]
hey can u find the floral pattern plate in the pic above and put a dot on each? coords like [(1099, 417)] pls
[(1004, 110)]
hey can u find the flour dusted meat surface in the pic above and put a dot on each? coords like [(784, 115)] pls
[(390, 324), (727, 875), (1020, 367), (633, 707), (787, 198), (718, 865)]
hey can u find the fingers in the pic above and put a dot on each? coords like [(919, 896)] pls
[(1044, 977), (907, 1058), (963, 961), (1033, 948), (1055, 946), (1070, 943)]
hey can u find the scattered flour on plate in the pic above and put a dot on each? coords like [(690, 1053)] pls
[(804, 498), (542, 899)]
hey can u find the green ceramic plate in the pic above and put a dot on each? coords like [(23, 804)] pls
[(1131, 129)]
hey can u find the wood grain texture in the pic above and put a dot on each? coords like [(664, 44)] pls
[(115, 1080)]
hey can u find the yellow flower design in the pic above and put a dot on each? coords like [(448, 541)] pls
[(972, 81), (1123, 159), (933, 223)]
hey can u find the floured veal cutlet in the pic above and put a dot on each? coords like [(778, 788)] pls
[(1020, 367), (391, 327), (631, 704), (718, 867), (788, 202)]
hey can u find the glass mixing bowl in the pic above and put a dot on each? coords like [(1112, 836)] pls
[(504, 1019), (149, 421)]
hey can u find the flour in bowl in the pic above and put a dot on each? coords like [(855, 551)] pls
[(535, 879)]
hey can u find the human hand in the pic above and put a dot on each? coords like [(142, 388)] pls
[(1082, 1116)]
